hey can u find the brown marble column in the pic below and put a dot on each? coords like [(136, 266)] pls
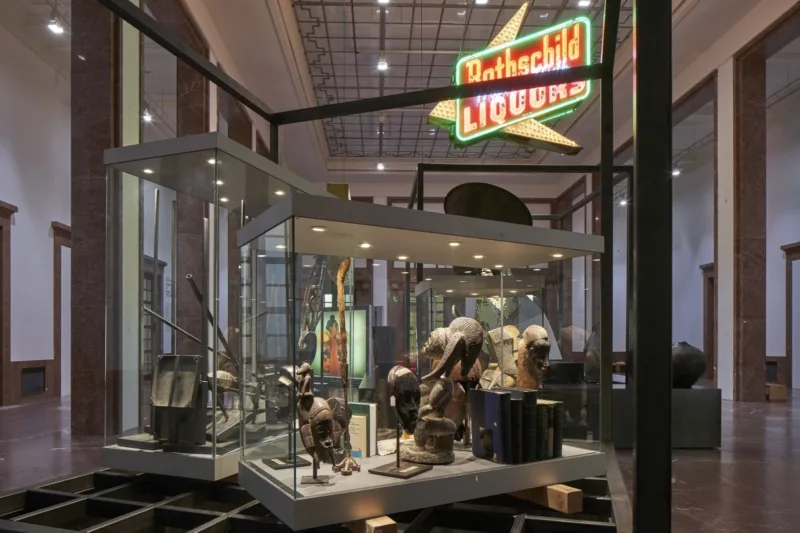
[(94, 70), (750, 190)]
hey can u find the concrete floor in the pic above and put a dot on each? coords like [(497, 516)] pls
[(752, 484)]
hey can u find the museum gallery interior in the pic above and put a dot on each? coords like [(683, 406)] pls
[(399, 265)]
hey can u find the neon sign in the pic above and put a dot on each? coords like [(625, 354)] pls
[(517, 115)]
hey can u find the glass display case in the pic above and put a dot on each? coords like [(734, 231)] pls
[(350, 419), (175, 281)]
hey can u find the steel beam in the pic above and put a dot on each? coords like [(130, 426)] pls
[(610, 29), (436, 94), (652, 265)]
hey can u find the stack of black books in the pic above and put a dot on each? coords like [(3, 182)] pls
[(510, 426)]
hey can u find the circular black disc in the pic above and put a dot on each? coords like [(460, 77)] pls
[(488, 202)]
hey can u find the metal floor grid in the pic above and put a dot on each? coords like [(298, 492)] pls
[(125, 502)]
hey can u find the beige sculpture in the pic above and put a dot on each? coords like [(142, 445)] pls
[(534, 358)]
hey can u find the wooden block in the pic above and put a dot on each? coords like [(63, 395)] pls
[(561, 498), (381, 524), (776, 392)]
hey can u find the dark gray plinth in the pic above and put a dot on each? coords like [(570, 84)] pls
[(696, 418)]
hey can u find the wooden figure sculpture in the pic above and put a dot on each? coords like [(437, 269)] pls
[(443, 341), (534, 358), (348, 465)]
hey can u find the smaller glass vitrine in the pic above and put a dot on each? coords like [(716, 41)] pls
[(341, 414), (174, 278)]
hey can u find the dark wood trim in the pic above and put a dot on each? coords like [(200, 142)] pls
[(62, 237), (791, 250), (708, 271), (6, 373)]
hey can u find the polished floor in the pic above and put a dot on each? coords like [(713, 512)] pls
[(36, 445), (751, 485)]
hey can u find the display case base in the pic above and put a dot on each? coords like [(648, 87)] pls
[(204, 467), (696, 418), (200, 449), (363, 495)]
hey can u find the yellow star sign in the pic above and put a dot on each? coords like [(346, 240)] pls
[(513, 115)]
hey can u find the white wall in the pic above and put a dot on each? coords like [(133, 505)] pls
[(34, 176), (692, 245), (620, 282), (783, 214)]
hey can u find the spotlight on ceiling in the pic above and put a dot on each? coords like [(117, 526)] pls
[(382, 64), (623, 203), (148, 171), (584, 3), (481, 2), (383, 1), (380, 166), (279, 193), (365, 245), (55, 26), (147, 117), (676, 172)]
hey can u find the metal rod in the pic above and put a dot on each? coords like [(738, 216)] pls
[(611, 24), (177, 328), (524, 169), (437, 94), (233, 356), (174, 270), (148, 26), (274, 143), (652, 266), (156, 340), (420, 190)]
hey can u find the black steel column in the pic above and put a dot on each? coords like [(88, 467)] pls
[(274, 142), (611, 23), (652, 266), (420, 188)]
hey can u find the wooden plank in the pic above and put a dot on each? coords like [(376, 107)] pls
[(381, 524), (561, 498)]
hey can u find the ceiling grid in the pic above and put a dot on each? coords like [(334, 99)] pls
[(421, 41)]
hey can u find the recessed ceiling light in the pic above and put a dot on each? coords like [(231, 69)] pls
[(481, 2), (147, 117), (461, 13), (381, 166), (623, 203), (558, 256), (449, 290), (454, 243), (537, 269), (519, 281), (596, 260), (467, 272), (219, 182), (212, 161), (262, 255), (402, 257), (428, 279), (383, 1), (148, 171), (404, 272), (281, 246), (473, 294), (82, 57), (498, 266), (477, 256), (529, 285), (376, 264), (306, 266), (319, 229), (544, 15), (382, 63), (513, 292), (463, 281), (279, 193), (676, 172), (247, 217), (55, 26), (223, 199), (597, 218), (584, 3), (365, 245)]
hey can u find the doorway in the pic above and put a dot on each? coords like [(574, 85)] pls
[(792, 300), (710, 320)]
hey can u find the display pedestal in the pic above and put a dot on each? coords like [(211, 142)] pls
[(696, 418), (364, 495), (205, 467)]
